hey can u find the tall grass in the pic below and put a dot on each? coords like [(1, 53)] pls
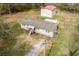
[(65, 40)]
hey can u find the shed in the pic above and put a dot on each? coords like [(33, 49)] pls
[(48, 11)]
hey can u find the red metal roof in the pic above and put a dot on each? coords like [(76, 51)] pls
[(50, 7)]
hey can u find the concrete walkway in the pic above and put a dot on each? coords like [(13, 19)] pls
[(37, 48)]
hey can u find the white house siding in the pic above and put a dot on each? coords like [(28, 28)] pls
[(26, 27), (46, 13), (30, 26), (43, 32), (40, 31)]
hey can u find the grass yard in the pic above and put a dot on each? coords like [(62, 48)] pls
[(60, 45), (21, 47), (17, 49)]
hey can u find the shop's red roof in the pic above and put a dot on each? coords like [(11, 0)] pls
[(50, 7)]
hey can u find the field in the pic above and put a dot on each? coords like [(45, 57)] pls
[(61, 44)]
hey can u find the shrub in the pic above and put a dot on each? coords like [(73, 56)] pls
[(13, 8), (69, 7)]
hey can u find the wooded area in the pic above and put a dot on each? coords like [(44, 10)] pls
[(13, 8)]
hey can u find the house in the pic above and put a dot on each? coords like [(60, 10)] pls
[(47, 27), (48, 11)]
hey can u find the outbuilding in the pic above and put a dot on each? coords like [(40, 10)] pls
[(48, 11)]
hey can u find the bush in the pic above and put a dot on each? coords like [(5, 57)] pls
[(69, 7), (13, 8), (16, 28), (3, 9)]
